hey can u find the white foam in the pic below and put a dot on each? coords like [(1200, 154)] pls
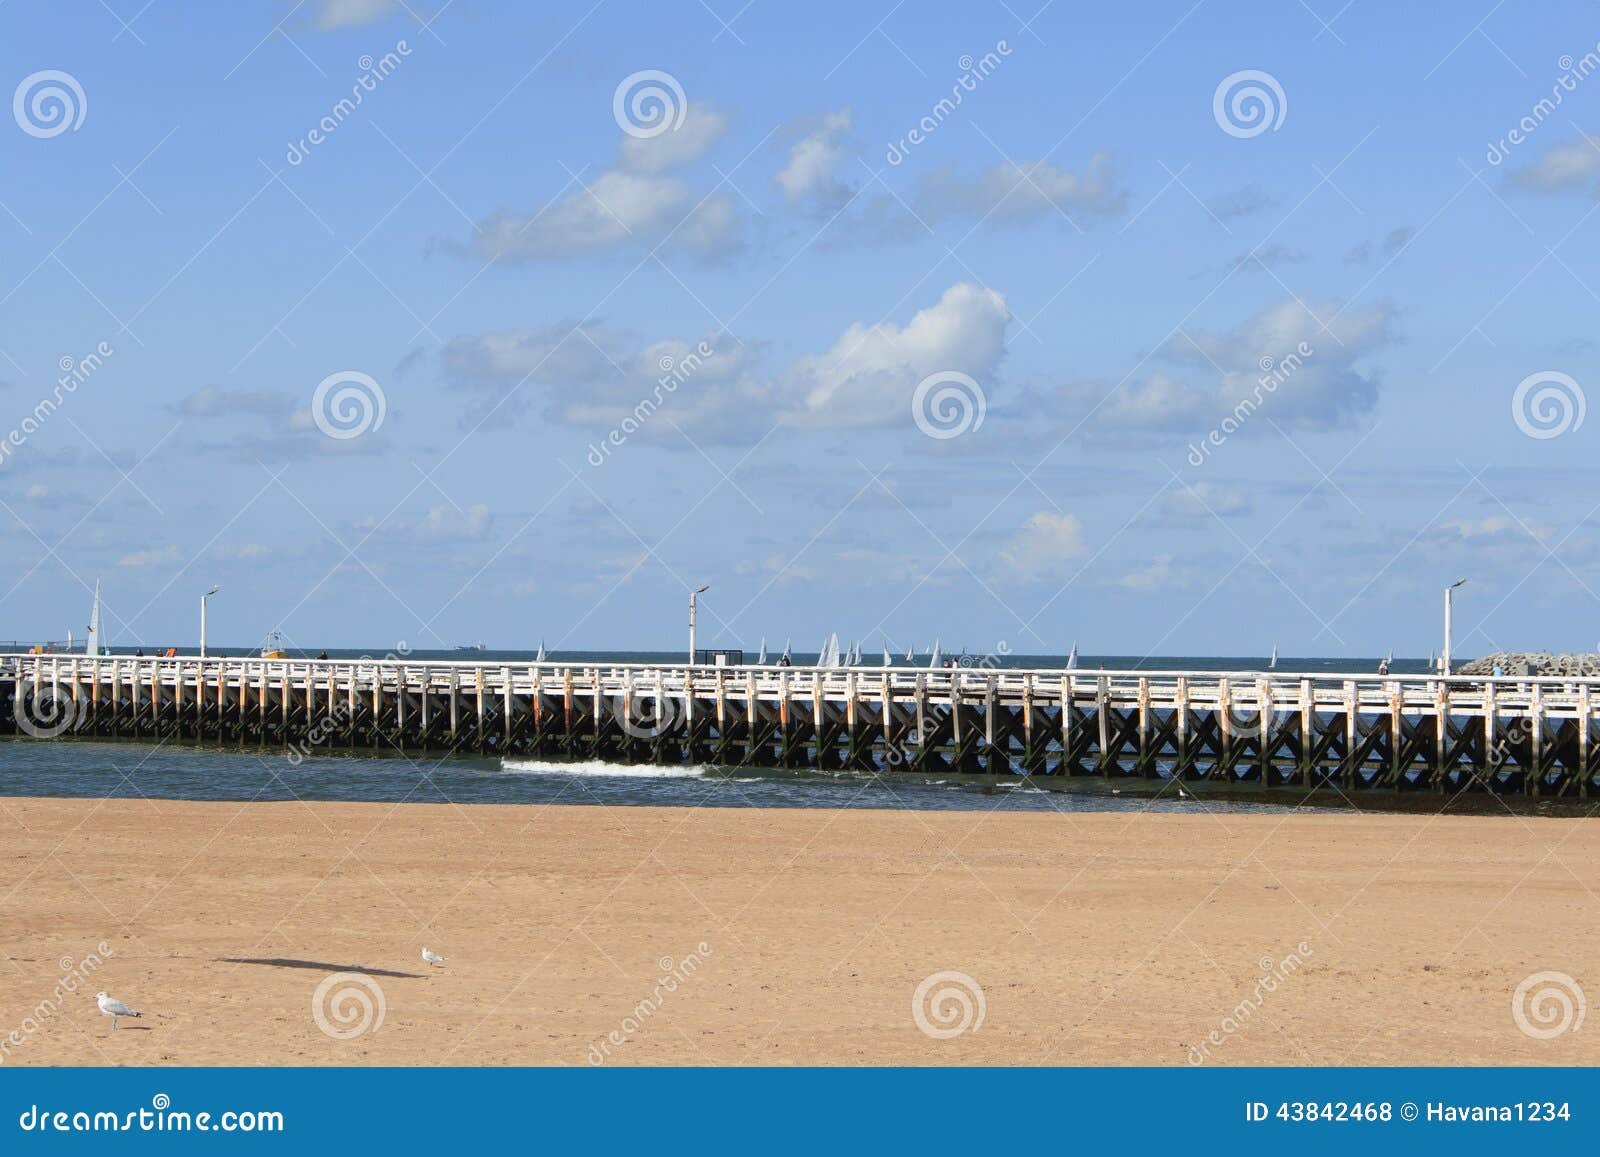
[(599, 768)]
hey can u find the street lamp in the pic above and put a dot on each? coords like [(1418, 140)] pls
[(692, 596), (203, 599), (1449, 598)]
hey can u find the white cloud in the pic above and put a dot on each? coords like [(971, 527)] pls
[(349, 13), (634, 203), (869, 375), (438, 524), (1208, 499), (217, 402), (1157, 574), (809, 178), (1159, 402), (1045, 541), (618, 208), (1017, 192), (1279, 363), (151, 557), (702, 127), (242, 552), (446, 523), (597, 377), (1564, 165), (1496, 526), (1261, 362)]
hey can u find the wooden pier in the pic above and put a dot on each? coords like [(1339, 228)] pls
[(1532, 737)]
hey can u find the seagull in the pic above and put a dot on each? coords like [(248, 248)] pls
[(1182, 794), (429, 956), (112, 1007)]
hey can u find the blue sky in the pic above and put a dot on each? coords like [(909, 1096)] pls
[(623, 347)]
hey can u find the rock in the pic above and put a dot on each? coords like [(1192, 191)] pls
[(1514, 663)]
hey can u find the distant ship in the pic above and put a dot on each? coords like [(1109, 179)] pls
[(471, 647)]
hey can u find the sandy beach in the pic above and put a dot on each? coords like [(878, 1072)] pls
[(580, 935)]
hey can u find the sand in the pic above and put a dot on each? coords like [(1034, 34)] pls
[(577, 935)]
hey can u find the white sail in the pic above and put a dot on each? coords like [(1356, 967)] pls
[(786, 650), (539, 658), (887, 662), (69, 640), (911, 654), (1072, 657), (855, 655), (91, 645), (1273, 662), (933, 660), (761, 659), (829, 656)]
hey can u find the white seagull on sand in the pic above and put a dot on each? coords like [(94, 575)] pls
[(431, 957), (113, 1007)]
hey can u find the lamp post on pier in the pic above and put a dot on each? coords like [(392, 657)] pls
[(1449, 599), (693, 595), (203, 599)]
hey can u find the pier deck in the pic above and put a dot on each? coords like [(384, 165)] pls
[(1524, 736)]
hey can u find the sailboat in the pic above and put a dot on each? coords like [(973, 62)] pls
[(1272, 663), (91, 645), (933, 659), (854, 659), (911, 654), (761, 659), (539, 658), (887, 662), (69, 640), (786, 652), (829, 655), (1072, 657)]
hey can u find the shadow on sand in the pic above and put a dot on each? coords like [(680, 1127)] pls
[(320, 966)]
